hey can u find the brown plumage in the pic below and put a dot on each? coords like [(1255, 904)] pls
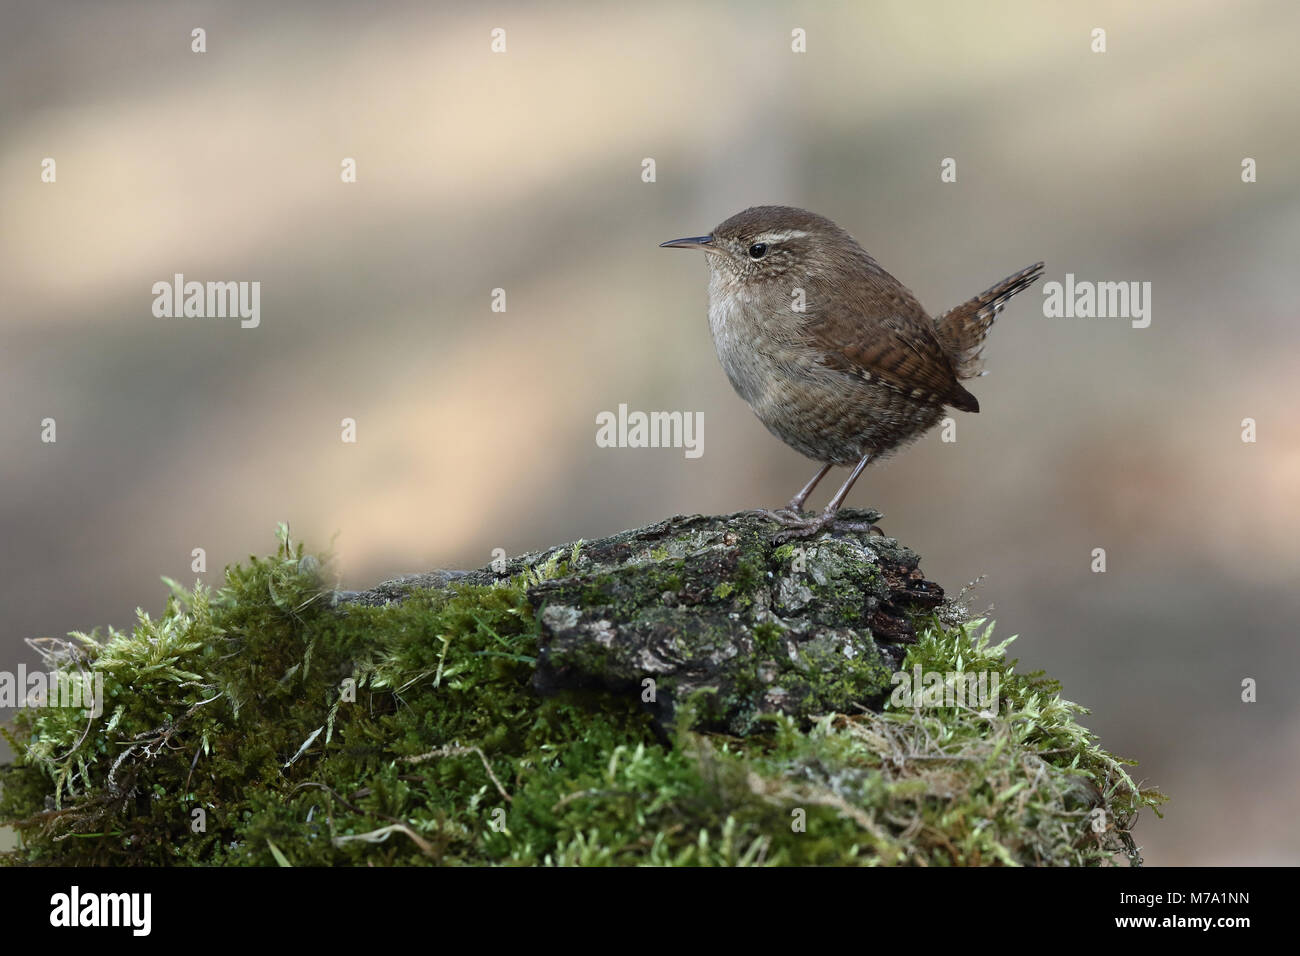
[(962, 330), (861, 369)]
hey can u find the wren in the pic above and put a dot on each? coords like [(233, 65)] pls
[(834, 355)]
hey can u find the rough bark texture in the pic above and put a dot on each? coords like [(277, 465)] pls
[(709, 608)]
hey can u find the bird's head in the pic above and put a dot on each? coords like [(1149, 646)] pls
[(765, 243)]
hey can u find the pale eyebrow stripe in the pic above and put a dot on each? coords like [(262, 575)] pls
[(780, 235)]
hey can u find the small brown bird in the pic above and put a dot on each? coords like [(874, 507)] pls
[(834, 355)]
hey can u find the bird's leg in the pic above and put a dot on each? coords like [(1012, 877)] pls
[(796, 503), (833, 508), (790, 514), (843, 493), (810, 526), (794, 507)]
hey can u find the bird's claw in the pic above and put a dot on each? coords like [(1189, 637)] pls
[(863, 526), (803, 528), (784, 516)]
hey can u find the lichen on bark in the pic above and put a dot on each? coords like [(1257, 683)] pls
[(708, 607)]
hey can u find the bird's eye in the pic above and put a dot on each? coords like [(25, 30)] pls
[(758, 250)]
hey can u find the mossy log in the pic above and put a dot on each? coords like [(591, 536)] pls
[(683, 693), (709, 604)]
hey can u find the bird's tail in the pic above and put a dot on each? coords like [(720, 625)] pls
[(962, 330)]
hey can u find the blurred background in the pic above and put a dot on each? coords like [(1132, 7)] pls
[(523, 171)]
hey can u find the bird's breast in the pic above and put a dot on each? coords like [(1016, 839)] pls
[(745, 348)]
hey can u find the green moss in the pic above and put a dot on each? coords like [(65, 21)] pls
[(784, 554), (262, 724), (767, 638)]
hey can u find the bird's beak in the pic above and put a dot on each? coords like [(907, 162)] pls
[(691, 242)]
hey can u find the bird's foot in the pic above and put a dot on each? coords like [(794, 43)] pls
[(791, 514), (796, 525), (805, 527), (782, 516), (843, 524)]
